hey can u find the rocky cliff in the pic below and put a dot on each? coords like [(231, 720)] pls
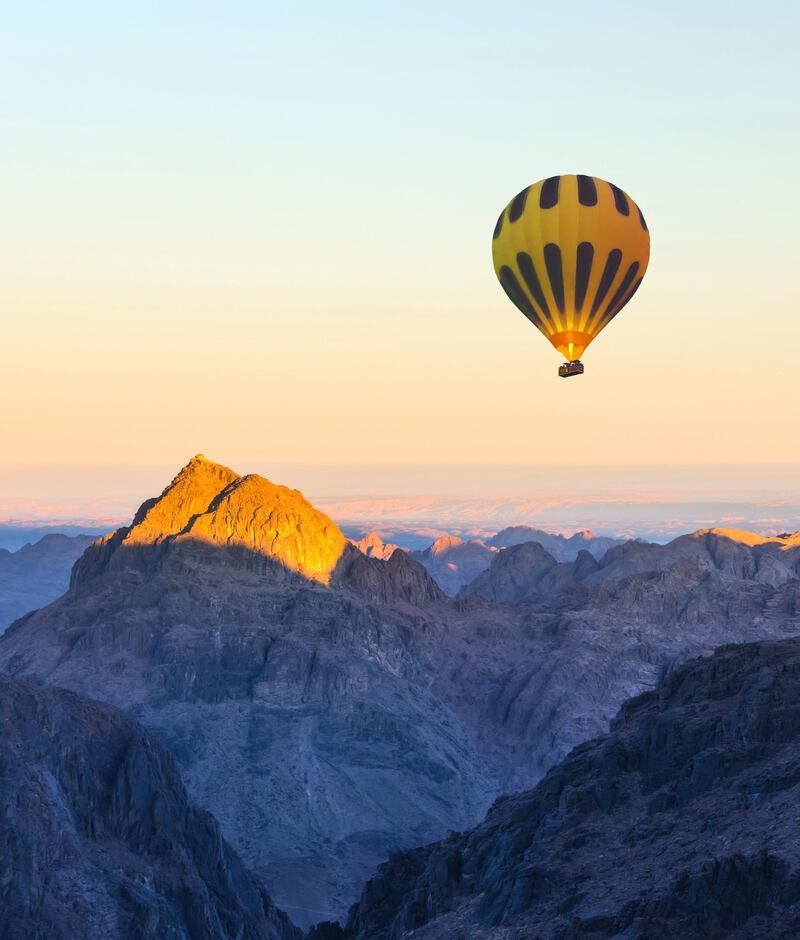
[(679, 823), (98, 839)]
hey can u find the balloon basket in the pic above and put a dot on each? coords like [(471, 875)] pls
[(570, 368)]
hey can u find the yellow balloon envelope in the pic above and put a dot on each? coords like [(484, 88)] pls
[(570, 252)]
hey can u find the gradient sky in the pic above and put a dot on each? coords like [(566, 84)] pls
[(262, 231)]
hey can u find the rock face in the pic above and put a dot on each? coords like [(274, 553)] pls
[(397, 580), (98, 839), (37, 574), (329, 708), (515, 574), (679, 823), (453, 563)]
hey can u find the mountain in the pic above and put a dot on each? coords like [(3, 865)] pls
[(561, 547), (679, 823), (98, 839), (373, 546), (725, 559), (396, 581), (330, 708), (515, 574), (208, 506), (453, 563), (15, 535), (37, 574), (291, 676)]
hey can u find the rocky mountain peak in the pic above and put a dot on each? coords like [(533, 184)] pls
[(443, 544), (514, 574), (190, 493), (210, 504), (373, 546), (273, 520), (397, 579)]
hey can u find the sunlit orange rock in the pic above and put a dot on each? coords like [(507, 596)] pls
[(209, 503)]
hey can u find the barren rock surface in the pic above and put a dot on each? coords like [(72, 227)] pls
[(98, 839), (679, 823)]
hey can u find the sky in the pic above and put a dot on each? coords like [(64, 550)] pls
[(262, 231)]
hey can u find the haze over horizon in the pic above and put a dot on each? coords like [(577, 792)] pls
[(419, 502)]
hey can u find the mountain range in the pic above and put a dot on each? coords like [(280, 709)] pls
[(37, 573), (332, 705), (679, 823), (454, 562)]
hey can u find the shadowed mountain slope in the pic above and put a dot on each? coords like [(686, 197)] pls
[(453, 563), (37, 574), (679, 823), (98, 839)]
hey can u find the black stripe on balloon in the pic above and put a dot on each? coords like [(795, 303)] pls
[(587, 191), (617, 303), (517, 296), (609, 273), (641, 219), (552, 258), (517, 206), (548, 197), (583, 271), (528, 272), (620, 200), (499, 226), (611, 313)]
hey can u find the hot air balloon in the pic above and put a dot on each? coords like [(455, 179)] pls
[(570, 252)]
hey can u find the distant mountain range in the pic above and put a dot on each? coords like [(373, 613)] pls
[(37, 574), (330, 704)]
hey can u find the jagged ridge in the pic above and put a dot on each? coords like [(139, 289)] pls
[(680, 823)]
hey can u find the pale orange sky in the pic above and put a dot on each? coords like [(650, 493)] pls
[(207, 247)]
